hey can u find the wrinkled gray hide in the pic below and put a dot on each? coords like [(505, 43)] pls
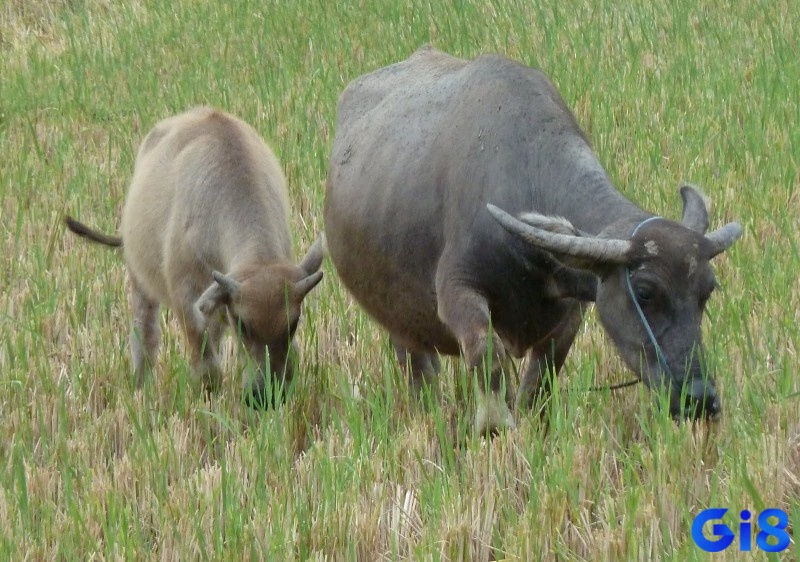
[(421, 148)]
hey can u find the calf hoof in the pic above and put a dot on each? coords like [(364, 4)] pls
[(211, 385), (493, 416), (207, 377)]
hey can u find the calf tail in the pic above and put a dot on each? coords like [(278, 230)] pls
[(82, 230)]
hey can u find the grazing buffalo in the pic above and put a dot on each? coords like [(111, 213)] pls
[(205, 230), (422, 148)]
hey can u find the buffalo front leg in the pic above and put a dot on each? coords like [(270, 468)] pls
[(422, 368), (466, 313), (145, 332), (545, 361)]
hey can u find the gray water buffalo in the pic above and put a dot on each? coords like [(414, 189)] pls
[(204, 231), (422, 148)]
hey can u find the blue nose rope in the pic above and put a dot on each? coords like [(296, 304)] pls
[(659, 354)]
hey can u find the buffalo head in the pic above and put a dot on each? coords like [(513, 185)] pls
[(654, 281)]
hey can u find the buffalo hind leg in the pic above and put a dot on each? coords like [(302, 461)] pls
[(543, 364), (466, 313), (422, 369), (145, 332)]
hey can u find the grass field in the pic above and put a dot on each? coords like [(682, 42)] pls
[(349, 469)]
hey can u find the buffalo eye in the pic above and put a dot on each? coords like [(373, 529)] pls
[(644, 292)]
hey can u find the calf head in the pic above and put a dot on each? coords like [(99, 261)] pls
[(651, 295), (263, 305)]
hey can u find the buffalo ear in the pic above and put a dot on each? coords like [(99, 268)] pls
[(575, 283), (695, 216), (695, 209), (220, 292), (557, 225)]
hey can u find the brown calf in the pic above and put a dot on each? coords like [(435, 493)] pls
[(204, 230)]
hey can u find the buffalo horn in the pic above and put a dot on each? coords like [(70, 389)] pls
[(722, 238), (591, 248)]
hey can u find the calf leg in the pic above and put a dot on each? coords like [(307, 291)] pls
[(545, 362), (186, 282), (466, 313), (203, 349), (202, 336), (421, 367), (145, 331), (213, 339)]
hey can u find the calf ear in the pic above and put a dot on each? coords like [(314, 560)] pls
[(313, 258), (220, 292), (304, 286)]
